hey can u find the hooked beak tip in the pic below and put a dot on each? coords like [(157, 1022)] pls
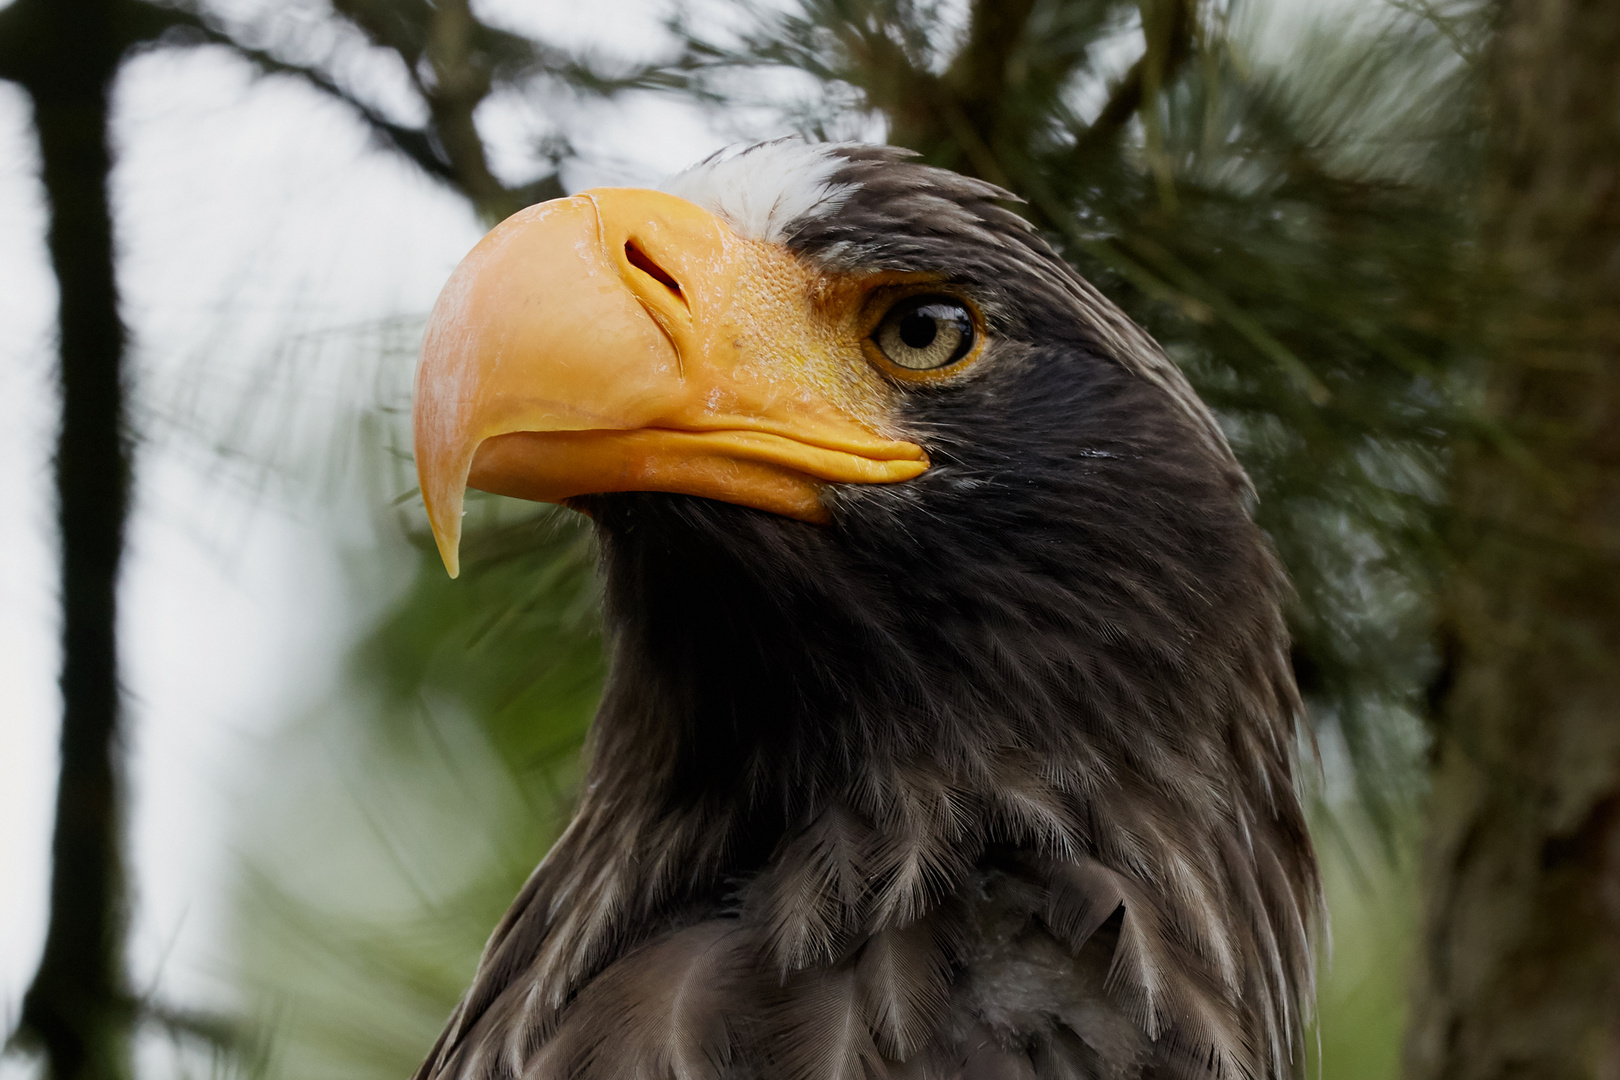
[(444, 518), (447, 552)]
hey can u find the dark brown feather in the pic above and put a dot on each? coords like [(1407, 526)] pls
[(670, 1010), (810, 901), (816, 1030), (903, 975)]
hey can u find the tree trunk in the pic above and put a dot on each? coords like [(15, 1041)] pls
[(77, 1009), (1519, 970)]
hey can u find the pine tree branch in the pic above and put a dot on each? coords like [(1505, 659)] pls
[(76, 1009), (1158, 64), (978, 74), (452, 60), (415, 144)]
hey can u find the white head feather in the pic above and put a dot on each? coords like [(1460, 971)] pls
[(761, 190)]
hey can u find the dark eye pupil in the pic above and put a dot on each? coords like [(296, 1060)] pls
[(918, 330)]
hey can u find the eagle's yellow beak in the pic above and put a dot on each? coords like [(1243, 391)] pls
[(627, 340)]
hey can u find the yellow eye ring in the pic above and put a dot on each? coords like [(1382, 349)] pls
[(924, 335)]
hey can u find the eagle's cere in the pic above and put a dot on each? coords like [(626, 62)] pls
[(950, 730)]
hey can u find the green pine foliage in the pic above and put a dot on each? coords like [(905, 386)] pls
[(400, 820)]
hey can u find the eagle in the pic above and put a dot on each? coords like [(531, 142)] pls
[(950, 729)]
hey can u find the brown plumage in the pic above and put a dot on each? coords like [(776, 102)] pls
[(992, 776)]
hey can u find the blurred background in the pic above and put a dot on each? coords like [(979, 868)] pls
[(337, 765)]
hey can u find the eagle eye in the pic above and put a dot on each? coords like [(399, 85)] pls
[(926, 333)]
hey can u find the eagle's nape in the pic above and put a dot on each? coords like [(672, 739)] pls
[(990, 774)]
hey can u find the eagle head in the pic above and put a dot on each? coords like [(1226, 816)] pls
[(950, 728)]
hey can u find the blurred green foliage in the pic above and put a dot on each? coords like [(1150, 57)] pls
[(515, 643), (405, 816), (1361, 1004), (1282, 199)]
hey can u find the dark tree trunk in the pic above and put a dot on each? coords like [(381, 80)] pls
[(77, 1010), (1519, 972)]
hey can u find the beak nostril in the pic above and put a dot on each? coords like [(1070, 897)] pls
[(640, 260)]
